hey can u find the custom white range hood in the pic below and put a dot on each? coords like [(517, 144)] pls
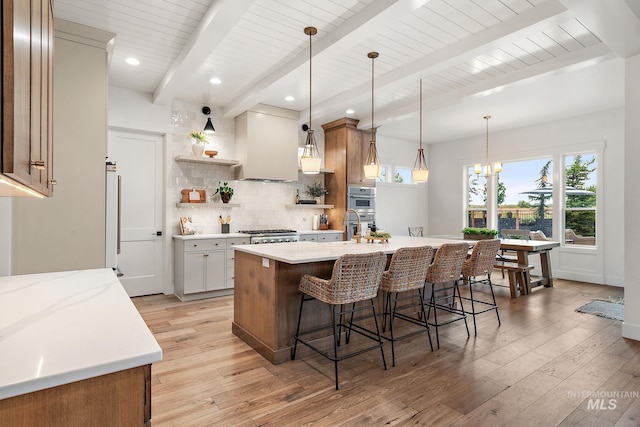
[(266, 140)]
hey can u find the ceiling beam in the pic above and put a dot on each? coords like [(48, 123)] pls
[(536, 19), (217, 22), (613, 21), (360, 26), (567, 63)]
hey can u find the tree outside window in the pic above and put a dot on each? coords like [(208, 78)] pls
[(580, 199)]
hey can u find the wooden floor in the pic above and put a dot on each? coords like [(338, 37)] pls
[(537, 369)]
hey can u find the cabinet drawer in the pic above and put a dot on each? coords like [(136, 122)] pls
[(331, 237), (308, 238), (231, 242), (204, 245)]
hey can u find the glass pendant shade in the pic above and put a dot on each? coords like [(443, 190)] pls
[(372, 168), (497, 166), (310, 159), (420, 172)]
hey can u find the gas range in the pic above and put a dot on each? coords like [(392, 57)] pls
[(278, 235)]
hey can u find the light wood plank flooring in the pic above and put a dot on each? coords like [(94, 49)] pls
[(535, 370)]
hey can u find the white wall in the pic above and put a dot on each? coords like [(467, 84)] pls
[(631, 326), (399, 206), (446, 201)]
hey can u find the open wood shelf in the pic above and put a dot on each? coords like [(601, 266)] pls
[(207, 160), (309, 206), (207, 205)]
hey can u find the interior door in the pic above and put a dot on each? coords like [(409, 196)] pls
[(138, 158)]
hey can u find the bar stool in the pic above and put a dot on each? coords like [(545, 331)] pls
[(355, 278), (446, 267), (407, 271), (481, 263)]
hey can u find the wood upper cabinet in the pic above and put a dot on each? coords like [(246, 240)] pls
[(345, 150), (27, 95)]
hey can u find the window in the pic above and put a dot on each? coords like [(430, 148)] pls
[(524, 193), (383, 174), (402, 175), (580, 199)]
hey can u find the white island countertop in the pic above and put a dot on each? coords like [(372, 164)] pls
[(305, 252), (58, 328)]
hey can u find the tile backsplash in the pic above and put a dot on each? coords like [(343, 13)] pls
[(255, 205)]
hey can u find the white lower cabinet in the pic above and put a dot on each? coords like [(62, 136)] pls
[(321, 236), (329, 236), (204, 268)]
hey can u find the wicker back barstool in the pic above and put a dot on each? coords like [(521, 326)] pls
[(445, 269), (355, 278), (407, 271), (481, 263)]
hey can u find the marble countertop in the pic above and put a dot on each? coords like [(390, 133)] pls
[(226, 235), (58, 328), (209, 236), (305, 252)]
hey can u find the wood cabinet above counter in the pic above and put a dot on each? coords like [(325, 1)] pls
[(27, 98)]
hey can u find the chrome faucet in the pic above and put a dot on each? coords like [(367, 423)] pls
[(358, 227)]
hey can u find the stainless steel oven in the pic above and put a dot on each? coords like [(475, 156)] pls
[(362, 199)]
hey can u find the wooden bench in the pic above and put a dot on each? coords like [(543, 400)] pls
[(518, 276)]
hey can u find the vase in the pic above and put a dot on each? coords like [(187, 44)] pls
[(197, 148), (226, 197)]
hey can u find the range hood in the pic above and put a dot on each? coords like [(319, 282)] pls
[(266, 140)]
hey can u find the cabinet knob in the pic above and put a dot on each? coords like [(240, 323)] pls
[(53, 182), (206, 254), (38, 164)]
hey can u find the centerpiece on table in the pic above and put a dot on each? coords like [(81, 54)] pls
[(224, 191), (199, 139), (471, 233), (381, 236)]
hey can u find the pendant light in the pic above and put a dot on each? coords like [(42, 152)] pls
[(372, 166), (420, 172), (497, 167), (310, 159)]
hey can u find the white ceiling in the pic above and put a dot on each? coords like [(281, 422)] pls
[(520, 61)]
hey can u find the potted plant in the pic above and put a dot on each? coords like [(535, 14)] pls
[(225, 192), (471, 233), (316, 190)]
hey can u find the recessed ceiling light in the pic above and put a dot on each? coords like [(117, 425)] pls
[(132, 61), (215, 81), (350, 111), (289, 98)]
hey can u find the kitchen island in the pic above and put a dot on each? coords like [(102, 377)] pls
[(266, 297), (73, 351)]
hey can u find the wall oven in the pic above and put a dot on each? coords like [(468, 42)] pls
[(361, 199)]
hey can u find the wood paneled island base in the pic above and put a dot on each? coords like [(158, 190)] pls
[(266, 296), (269, 302)]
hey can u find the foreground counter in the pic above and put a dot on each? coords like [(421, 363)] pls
[(73, 351), (266, 297)]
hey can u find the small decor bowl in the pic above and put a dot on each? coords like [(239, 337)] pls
[(211, 153)]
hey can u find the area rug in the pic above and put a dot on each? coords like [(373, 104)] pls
[(610, 309)]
